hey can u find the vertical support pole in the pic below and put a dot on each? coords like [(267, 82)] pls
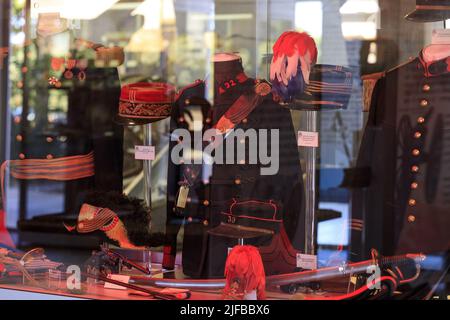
[(5, 13), (4, 77), (310, 186), (24, 124), (148, 167)]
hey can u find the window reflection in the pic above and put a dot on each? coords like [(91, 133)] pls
[(174, 41)]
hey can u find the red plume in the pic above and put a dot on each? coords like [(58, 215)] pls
[(244, 272), (294, 54), (291, 42)]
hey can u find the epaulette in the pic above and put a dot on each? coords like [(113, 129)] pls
[(195, 89), (369, 82), (190, 96), (262, 87)]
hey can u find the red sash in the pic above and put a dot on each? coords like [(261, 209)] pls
[(61, 169)]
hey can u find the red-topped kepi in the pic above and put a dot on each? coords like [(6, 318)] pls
[(143, 102)]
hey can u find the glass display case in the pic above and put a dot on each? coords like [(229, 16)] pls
[(225, 149)]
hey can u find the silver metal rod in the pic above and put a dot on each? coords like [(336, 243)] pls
[(328, 273), (310, 186), (148, 167)]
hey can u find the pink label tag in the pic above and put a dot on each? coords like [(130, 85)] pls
[(308, 139), (144, 152), (306, 261)]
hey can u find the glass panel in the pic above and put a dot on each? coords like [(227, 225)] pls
[(166, 134)]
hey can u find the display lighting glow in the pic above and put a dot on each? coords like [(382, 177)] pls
[(309, 18), (156, 13), (360, 6), (72, 9), (149, 39), (360, 19), (359, 30), (224, 17)]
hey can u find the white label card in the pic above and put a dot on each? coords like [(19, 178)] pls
[(440, 36), (306, 261), (308, 139), (144, 152), (183, 194), (117, 277)]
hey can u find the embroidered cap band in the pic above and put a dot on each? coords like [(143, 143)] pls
[(142, 103)]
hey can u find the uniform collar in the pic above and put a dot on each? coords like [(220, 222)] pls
[(434, 68), (227, 91), (228, 84)]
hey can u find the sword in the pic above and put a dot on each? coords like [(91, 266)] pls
[(290, 278), (153, 293)]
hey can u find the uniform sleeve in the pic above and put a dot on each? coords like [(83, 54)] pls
[(173, 221), (359, 179), (107, 136)]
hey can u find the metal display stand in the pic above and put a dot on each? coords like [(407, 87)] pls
[(148, 167), (310, 186)]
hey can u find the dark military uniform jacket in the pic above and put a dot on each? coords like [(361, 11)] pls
[(228, 192), (72, 118), (406, 149)]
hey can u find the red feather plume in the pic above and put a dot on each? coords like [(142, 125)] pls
[(244, 273), (291, 42), (294, 54)]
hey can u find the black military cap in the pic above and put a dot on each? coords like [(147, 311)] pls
[(430, 11)]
